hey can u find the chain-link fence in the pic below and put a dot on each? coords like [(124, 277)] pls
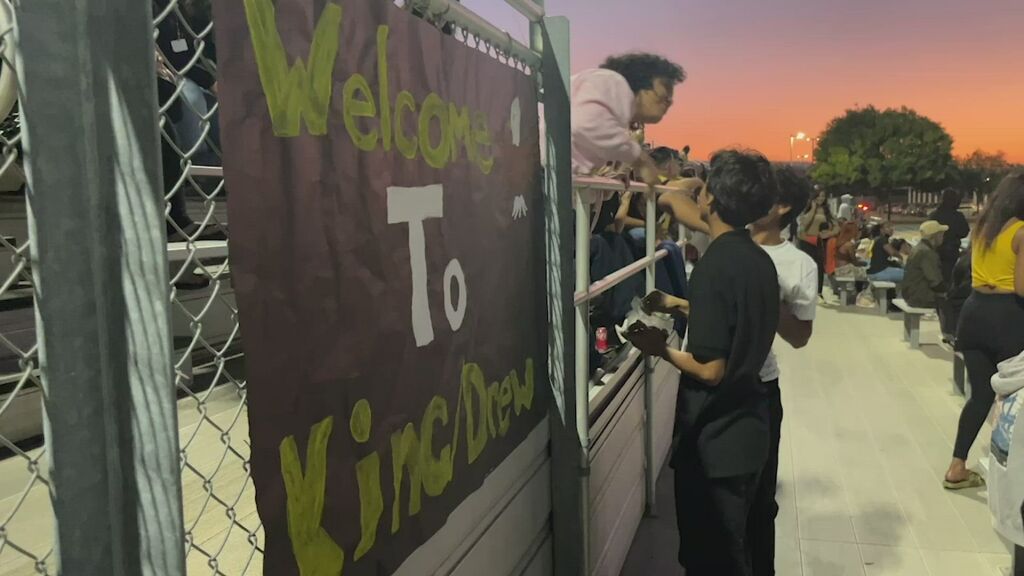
[(223, 531), (25, 510)]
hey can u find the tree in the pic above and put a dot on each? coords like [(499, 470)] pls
[(880, 150), (981, 171)]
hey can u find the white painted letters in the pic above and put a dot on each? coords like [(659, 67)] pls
[(412, 206), (456, 313)]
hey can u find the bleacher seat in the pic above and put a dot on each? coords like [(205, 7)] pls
[(881, 291), (912, 321), (846, 287)]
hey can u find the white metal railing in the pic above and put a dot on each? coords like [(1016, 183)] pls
[(584, 189), (528, 8), (463, 17)]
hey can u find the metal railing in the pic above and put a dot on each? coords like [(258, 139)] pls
[(223, 533), (586, 190)]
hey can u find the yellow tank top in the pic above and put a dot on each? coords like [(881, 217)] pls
[(994, 266)]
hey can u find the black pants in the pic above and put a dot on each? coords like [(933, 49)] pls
[(1018, 553), (172, 173), (712, 515), (817, 252), (991, 329), (764, 510)]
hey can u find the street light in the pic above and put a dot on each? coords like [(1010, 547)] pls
[(792, 139), (802, 136)]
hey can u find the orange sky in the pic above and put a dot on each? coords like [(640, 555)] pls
[(760, 71)]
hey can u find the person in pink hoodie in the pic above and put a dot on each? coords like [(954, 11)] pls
[(610, 105), (624, 91)]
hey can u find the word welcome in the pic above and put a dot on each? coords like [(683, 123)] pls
[(487, 412), (303, 92)]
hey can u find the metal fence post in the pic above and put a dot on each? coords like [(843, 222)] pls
[(650, 472), (99, 263)]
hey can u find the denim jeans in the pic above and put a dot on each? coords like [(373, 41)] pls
[(888, 275), (194, 107)]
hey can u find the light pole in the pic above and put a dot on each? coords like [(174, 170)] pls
[(793, 138)]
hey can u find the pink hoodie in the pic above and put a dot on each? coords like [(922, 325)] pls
[(602, 109)]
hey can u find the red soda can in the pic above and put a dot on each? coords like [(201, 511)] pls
[(602, 340)]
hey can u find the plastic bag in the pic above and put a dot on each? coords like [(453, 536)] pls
[(866, 298), (636, 315)]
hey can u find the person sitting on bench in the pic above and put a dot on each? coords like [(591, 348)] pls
[(923, 286), (885, 258)]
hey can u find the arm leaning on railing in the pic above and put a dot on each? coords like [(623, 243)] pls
[(595, 186)]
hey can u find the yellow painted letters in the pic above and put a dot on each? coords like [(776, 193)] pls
[(300, 91), (315, 552)]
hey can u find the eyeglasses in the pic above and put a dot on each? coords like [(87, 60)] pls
[(662, 97)]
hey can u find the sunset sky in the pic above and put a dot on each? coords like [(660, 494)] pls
[(760, 70)]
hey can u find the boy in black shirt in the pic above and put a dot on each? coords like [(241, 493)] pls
[(722, 412)]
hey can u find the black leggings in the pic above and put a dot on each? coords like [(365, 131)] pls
[(991, 329), (817, 253)]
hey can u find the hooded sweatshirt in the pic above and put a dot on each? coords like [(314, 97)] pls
[(846, 208), (1006, 461)]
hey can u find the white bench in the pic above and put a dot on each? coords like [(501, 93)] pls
[(881, 291), (203, 250), (912, 321), (846, 287)]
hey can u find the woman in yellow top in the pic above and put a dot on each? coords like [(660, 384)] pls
[(991, 327)]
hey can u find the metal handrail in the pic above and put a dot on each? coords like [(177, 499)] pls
[(463, 17), (611, 184), (615, 278), (585, 291), (528, 8)]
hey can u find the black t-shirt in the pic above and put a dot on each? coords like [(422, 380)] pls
[(879, 257), (734, 313), (958, 230)]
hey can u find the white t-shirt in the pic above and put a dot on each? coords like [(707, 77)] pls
[(700, 241), (798, 288)]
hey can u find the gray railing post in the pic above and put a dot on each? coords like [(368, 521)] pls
[(87, 75)]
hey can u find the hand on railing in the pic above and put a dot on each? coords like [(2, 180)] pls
[(647, 171)]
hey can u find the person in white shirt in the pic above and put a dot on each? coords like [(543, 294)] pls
[(846, 208), (798, 288)]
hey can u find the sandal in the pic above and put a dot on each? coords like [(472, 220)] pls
[(973, 480)]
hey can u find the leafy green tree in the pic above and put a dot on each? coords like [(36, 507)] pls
[(879, 150), (981, 171)]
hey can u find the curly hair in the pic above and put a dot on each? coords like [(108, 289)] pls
[(742, 186), (641, 69), (794, 191)]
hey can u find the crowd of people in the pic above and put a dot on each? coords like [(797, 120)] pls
[(769, 247)]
